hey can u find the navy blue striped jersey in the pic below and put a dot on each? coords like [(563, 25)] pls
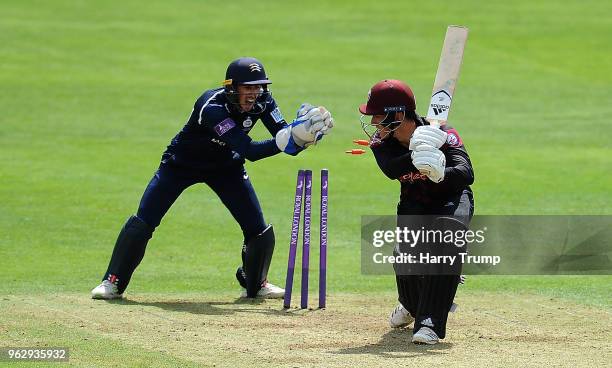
[(217, 134)]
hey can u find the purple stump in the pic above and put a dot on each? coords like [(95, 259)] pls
[(295, 229), (323, 240), (306, 237)]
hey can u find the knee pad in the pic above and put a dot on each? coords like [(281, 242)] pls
[(137, 228)]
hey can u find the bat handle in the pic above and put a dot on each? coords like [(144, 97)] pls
[(435, 123)]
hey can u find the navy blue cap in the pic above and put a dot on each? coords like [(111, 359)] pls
[(246, 70)]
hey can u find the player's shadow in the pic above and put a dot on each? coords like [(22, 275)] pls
[(397, 343), (213, 308)]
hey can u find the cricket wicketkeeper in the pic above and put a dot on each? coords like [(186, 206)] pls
[(212, 148), (435, 172)]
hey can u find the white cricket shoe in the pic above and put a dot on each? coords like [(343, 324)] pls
[(425, 335), (106, 290), (268, 291), (400, 317)]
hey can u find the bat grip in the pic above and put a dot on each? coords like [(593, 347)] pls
[(435, 123)]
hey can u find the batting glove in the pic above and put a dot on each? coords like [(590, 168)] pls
[(430, 161), (429, 135)]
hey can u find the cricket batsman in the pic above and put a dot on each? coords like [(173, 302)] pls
[(435, 173), (212, 148)]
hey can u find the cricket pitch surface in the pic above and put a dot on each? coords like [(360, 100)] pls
[(488, 330)]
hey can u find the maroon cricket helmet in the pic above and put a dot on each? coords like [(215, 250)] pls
[(389, 95)]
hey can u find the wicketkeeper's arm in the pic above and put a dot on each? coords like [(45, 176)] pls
[(246, 147)]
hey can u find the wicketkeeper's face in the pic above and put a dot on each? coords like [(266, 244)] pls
[(247, 95)]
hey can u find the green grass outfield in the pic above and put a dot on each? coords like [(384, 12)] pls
[(90, 95)]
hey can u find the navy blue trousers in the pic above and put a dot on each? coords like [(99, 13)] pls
[(232, 185)]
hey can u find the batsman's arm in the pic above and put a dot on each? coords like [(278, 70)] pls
[(392, 167), (458, 173)]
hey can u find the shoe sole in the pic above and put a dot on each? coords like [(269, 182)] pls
[(102, 297), (268, 296), (402, 325), (417, 340)]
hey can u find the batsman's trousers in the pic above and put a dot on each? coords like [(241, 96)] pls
[(429, 297)]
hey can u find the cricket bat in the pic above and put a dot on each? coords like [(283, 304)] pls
[(447, 75)]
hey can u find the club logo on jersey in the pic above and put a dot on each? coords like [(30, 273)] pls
[(224, 126), (254, 67), (411, 177), (453, 139), (248, 122), (277, 115)]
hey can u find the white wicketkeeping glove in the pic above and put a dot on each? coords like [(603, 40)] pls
[(429, 161), (429, 135), (311, 124)]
